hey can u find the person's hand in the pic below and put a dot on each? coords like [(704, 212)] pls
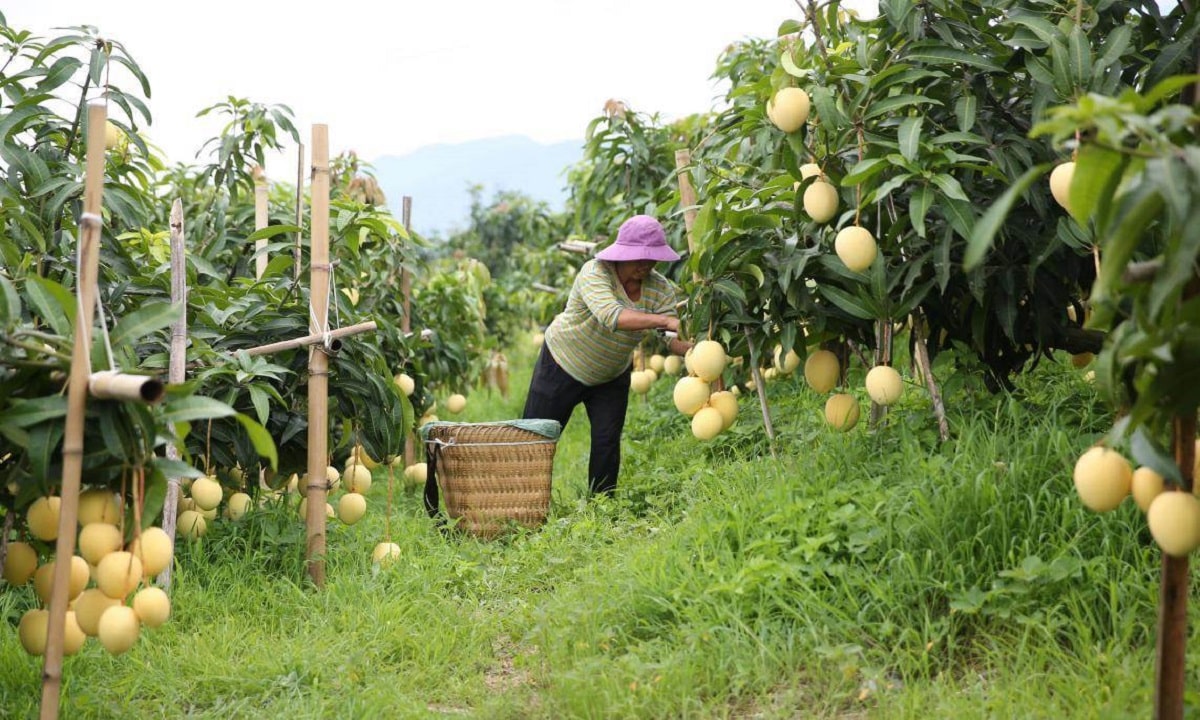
[(672, 324)]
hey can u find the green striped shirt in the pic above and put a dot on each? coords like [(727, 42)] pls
[(584, 338)]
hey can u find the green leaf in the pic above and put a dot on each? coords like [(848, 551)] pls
[(53, 303), (910, 137), (852, 304), (141, 322), (789, 65), (271, 231), (261, 401), (1167, 88), (26, 413), (1045, 30), (942, 55), (261, 439), (918, 206), (729, 288), (964, 111), (1136, 214), (864, 170), (176, 468), (1097, 174), (43, 444), (1148, 453), (984, 231), (949, 186), (10, 303), (757, 272), (961, 216), (1080, 60), (194, 407), (895, 102)]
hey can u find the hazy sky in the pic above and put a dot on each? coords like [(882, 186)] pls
[(388, 78)]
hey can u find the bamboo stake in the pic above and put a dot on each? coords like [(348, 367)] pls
[(177, 369), (297, 254), (687, 198), (1171, 647), (318, 362), (406, 321), (921, 356), (260, 221), (72, 453)]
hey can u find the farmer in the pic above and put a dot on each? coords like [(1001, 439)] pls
[(616, 298)]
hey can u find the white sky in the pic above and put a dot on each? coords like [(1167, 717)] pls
[(388, 78)]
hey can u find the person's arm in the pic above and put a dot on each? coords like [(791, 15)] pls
[(679, 347), (630, 319)]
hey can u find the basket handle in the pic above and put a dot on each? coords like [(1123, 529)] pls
[(433, 451)]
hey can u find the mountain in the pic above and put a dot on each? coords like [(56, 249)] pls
[(438, 177)]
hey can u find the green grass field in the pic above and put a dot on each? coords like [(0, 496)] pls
[(874, 574)]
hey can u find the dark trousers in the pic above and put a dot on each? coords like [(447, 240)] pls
[(553, 395)]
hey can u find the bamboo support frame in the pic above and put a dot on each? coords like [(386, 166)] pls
[(318, 362), (114, 385), (72, 452), (406, 325), (315, 338), (177, 369)]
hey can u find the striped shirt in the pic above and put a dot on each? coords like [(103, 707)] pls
[(584, 338)]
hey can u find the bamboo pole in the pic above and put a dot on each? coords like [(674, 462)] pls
[(261, 220), (687, 198), (297, 253), (318, 362), (72, 454), (114, 385), (313, 339), (579, 247), (177, 369), (406, 321)]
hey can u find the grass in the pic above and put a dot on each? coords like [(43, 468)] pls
[(878, 573)]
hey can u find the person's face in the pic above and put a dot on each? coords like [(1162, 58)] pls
[(636, 269)]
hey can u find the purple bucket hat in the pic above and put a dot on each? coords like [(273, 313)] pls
[(641, 237)]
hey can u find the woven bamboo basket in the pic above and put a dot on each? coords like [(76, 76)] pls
[(493, 477)]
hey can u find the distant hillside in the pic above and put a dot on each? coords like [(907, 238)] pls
[(438, 177)]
